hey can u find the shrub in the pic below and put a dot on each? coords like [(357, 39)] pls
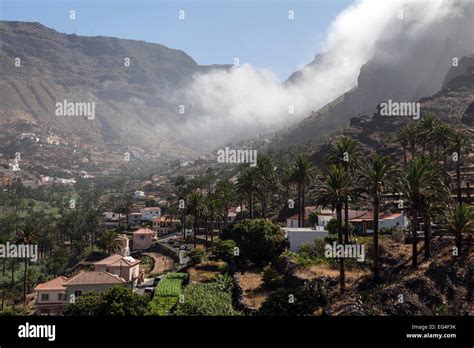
[(117, 301), (258, 240), (196, 256), (224, 250), (271, 278), (303, 300)]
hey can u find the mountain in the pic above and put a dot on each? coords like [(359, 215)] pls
[(135, 106), (404, 67)]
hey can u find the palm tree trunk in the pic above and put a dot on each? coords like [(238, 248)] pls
[(195, 232), (303, 212), (346, 221), (299, 205), (376, 240), (206, 226), (458, 180), (251, 204), (212, 233), (341, 259), (414, 263), (24, 280), (427, 221)]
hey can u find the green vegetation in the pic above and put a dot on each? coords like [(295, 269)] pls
[(208, 299), (258, 240), (117, 301), (196, 256), (167, 294)]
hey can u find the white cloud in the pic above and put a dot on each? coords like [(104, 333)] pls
[(245, 100)]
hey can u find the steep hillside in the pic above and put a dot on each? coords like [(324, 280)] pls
[(135, 103)]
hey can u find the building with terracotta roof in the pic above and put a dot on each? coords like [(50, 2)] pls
[(125, 267), (51, 296), (363, 224), (165, 224), (88, 281), (143, 238)]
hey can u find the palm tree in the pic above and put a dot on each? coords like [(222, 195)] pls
[(378, 176), (266, 181), (460, 220), (407, 136), (334, 189), (111, 241), (212, 208), (26, 235), (246, 184), (180, 184), (418, 183), (441, 139), (460, 144), (226, 193), (196, 209), (302, 175), (347, 153)]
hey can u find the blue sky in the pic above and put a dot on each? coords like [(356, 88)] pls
[(213, 32)]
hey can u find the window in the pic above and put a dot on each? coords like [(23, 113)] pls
[(77, 293), (44, 297), (62, 297)]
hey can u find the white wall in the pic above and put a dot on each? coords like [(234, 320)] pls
[(296, 238)]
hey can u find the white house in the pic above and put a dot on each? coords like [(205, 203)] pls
[(139, 194), (150, 213), (364, 223), (303, 235)]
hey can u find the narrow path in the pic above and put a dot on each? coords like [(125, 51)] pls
[(163, 263)]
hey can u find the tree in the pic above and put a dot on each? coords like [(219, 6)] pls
[(334, 189), (212, 209), (459, 221), (26, 235), (116, 301), (347, 153), (407, 136), (266, 182), (418, 182), (195, 208), (196, 256), (258, 240), (302, 175), (246, 184), (461, 145), (378, 175), (180, 184), (226, 193), (110, 241), (225, 250)]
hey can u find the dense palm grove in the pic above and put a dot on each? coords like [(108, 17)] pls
[(424, 182)]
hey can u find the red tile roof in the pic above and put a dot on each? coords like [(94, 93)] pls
[(53, 284), (91, 278)]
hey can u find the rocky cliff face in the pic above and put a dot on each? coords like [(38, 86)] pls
[(132, 84)]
